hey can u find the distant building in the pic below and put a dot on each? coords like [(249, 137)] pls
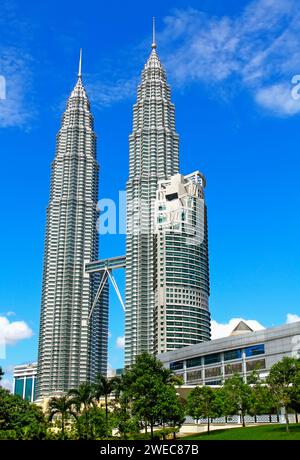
[(24, 384), (181, 279), (211, 363), (114, 373)]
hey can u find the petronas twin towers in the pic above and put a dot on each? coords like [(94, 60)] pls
[(71, 348), (153, 155), (72, 342)]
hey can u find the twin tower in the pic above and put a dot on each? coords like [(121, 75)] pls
[(167, 275)]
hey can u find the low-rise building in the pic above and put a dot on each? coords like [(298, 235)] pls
[(210, 363), (24, 384)]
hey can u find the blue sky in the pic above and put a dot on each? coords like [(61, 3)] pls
[(230, 66)]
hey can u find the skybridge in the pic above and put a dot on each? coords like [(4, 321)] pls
[(105, 267)]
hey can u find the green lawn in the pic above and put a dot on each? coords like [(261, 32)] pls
[(263, 432)]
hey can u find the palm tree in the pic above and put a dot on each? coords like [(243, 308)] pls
[(104, 387), (83, 396), (62, 406)]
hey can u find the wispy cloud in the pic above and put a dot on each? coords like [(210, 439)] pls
[(10, 313), (277, 98), (17, 108), (104, 94), (120, 342), (259, 50)]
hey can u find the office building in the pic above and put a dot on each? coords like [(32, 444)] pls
[(181, 286), (24, 384), (72, 348), (153, 156)]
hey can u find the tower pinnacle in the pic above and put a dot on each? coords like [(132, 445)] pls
[(80, 64), (153, 33)]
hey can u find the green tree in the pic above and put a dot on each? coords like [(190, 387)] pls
[(104, 387), (237, 397), (203, 403), (283, 379), (126, 423), (170, 408), (139, 393), (97, 423), (295, 403), (20, 419), (83, 399), (61, 406), (262, 401)]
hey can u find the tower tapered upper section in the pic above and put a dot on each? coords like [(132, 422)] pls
[(154, 143)]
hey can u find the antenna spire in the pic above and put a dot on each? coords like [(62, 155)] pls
[(80, 64), (153, 34)]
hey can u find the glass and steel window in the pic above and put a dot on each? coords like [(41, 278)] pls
[(177, 365), (255, 350), (213, 358), (232, 354)]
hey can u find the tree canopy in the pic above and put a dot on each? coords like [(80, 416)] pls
[(284, 381), (20, 419)]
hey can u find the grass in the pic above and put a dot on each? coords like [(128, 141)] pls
[(262, 433)]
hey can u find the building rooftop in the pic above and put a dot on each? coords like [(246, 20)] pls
[(231, 342), (241, 328)]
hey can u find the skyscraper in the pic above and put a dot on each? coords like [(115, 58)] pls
[(71, 348), (181, 279), (153, 156)]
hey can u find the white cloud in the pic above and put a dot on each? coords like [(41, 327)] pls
[(277, 98), (219, 330), (258, 50), (10, 313), (120, 342), (292, 318), (12, 332)]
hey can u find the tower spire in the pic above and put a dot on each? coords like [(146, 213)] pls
[(80, 64), (153, 33)]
